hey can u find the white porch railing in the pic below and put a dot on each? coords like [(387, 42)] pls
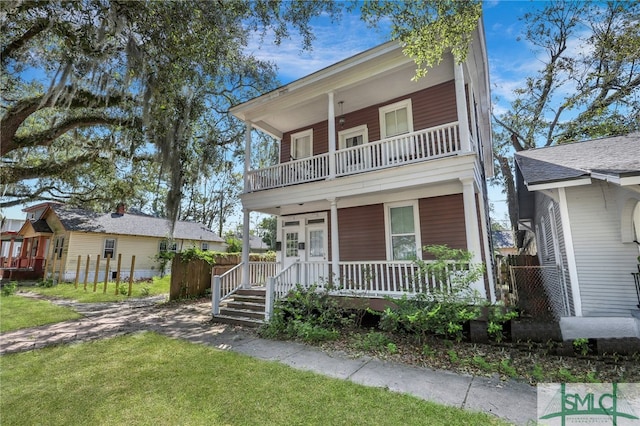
[(423, 145), (223, 286), (290, 173), (367, 279)]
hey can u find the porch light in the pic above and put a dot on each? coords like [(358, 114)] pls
[(341, 120)]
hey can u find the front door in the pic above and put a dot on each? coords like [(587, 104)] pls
[(304, 240)]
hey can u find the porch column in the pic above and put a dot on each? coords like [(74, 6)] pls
[(10, 257), (245, 249), (335, 239), (247, 154), (472, 229), (461, 105), (332, 137)]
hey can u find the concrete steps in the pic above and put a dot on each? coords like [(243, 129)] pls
[(245, 307)]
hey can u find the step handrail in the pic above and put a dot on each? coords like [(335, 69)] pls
[(223, 286)]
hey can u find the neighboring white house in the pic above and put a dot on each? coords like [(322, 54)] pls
[(582, 201), (56, 236)]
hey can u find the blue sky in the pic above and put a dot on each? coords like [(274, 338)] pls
[(510, 60)]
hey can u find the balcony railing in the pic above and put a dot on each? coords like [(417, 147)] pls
[(423, 145)]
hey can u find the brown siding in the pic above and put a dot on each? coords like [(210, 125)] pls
[(431, 107), (442, 222), (434, 106), (362, 235)]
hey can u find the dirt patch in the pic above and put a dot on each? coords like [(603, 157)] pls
[(528, 361)]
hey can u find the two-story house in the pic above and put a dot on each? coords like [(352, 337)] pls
[(374, 165)]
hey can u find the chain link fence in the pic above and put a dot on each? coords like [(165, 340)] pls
[(540, 292)]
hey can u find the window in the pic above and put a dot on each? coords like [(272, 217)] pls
[(109, 247), (165, 246), (353, 137), (204, 246), (396, 119), (302, 144), (403, 238), (316, 243), (57, 247), (291, 242)]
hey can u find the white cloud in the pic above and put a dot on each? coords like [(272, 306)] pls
[(332, 43)]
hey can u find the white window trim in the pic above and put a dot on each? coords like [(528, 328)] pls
[(104, 246), (393, 107), (416, 227), (353, 132), (173, 247), (294, 141)]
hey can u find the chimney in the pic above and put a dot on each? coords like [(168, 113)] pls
[(121, 209)]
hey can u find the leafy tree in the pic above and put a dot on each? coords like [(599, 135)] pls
[(427, 29), (588, 84), (268, 230), (126, 82)]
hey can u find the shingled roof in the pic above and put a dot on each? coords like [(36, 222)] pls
[(130, 224), (614, 156)]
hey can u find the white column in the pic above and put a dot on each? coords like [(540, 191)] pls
[(472, 228), (568, 246), (245, 249), (335, 239), (247, 154), (332, 137), (461, 104), (488, 256)]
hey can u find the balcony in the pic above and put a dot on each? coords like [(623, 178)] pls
[(423, 145)]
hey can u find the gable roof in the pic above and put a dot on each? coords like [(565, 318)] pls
[(130, 224), (606, 158)]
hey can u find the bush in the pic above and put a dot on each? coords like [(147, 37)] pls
[(447, 306), (306, 314), (9, 288)]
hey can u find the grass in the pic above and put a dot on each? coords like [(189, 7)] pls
[(68, 290), (149, 379), (20, 312)]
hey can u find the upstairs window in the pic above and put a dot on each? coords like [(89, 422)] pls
[(353, 137), (109, 248), (302, 144), (396, 119)]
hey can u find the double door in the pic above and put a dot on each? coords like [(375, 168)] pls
[(304, 240)]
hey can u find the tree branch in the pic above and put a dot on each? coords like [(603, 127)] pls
[(15, 174), (39, 26)]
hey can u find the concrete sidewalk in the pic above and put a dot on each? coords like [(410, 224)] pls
[(512, 401)]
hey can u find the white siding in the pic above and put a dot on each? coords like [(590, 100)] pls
[(144, 248), (603, 262)]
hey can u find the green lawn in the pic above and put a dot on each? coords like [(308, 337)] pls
[(149, 379), (68, 290), (20, 312)]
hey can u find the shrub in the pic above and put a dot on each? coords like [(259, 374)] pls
[(446, 306), (497, 317), (373, 341), (308, 314), (9, 288), (46, 283)]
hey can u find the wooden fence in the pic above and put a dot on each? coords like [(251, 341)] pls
[(96, 272), (193, 278)]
